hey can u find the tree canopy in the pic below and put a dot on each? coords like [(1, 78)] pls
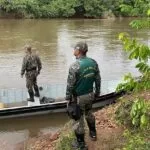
[(74, 8)]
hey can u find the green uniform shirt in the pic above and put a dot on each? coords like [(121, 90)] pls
[(82, 76)]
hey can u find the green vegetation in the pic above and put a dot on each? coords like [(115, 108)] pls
[(134, 111), (141, 53), (134, 115), (137, 141), (66, 138), (139, 113), (134, 7), (73, 8), (65, 141)]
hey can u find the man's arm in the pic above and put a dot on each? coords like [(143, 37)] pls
[(97, 82), (39, 64), (71, 81), (23, 69)]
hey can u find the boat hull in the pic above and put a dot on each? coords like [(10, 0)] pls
[(55, 107)]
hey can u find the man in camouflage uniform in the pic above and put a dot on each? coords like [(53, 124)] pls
[(31, 66), (83, 74)]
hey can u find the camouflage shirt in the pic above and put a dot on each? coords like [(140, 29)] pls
[(31, 62), (77, 81)]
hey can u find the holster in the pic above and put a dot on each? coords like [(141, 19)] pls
[(74, 111)]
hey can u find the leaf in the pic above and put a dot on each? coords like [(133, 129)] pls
[(133, 113), (136, 24), (123, 36), (139, 106), (134, 121), (132, 55), (139, 65), (148, 12), (144, 120)]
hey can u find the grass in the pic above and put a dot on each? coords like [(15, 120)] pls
[(66, 138)]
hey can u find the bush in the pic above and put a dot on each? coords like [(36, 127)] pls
[(66, 138), (62, 8), (70, 8), (139, 52), (135, 114), (134, 7), (136, 141), (21, 7), (122, 114), (65, 142), (94, 8)]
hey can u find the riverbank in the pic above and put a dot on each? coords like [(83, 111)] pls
[(73, 8), (111, 135), (108, 133), (106, 15)]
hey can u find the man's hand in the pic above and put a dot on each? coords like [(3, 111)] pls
[(38, 72), (96, 95), (68, 103), (69, 100)]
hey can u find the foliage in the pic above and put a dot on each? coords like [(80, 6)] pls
[(136, 141), (128, 85), (22, 7), (38, 8), (135, 114), (62, 8), (135, 7), (140, 52), (139, 114), (44, 2), (122, 114), (71, 8), (66, 138), (94, 8), (65, 142)]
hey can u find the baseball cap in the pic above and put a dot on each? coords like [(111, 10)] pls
[(82, 46)]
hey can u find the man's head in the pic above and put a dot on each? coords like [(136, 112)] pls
[(80, 49), (28, 49)]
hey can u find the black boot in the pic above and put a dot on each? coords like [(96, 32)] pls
[(79, 144), (36, 89), (31, 95), (92, 130)]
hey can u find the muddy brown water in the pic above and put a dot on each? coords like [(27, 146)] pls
[(54, 41)]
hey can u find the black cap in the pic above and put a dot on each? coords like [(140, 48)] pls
[(82, 46)]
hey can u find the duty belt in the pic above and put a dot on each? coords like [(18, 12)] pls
[(30, 69)]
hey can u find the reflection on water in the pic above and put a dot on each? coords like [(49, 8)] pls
[(54, 40), (17, 130), (26, 124)]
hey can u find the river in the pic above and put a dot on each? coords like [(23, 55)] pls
[(53, 40)]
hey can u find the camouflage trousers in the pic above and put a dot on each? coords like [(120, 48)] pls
[(85, 103), (31, 80)]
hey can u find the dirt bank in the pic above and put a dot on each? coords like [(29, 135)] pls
[(109, 133)]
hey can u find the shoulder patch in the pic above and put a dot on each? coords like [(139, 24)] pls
[(75, 66)]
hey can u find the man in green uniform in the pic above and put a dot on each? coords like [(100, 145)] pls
[(83, 75), (31, 67)]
